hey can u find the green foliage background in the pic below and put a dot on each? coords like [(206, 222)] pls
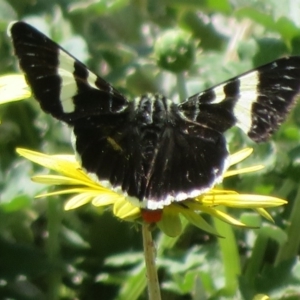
[(46, 253)]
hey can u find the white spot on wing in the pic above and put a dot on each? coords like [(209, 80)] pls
[(68, 87), (288, 77), (92, 79), (286, 88), (248, 95), (280, 98), (290, 67)]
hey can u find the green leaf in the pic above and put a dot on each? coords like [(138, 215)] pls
[(12, 262), (18, 196), (284, 26), (99, 7), (273, 232), (7, 13), (259, 17), (223, 6), (281, 280), (124, 259), (16, 203)]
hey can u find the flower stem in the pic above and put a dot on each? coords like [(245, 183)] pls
[(151, 271), (230, 256), (290, 248), (181, 87), (256, 259), (163, 243), (54, 214)]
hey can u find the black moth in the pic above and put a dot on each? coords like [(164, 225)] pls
[(153, 150)]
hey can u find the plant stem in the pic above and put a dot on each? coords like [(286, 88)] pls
[(181, 87), (151, 271), (54, 214), (230, 255), (163, 243), (290, 248), (256, 259)]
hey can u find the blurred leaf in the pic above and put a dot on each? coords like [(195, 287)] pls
[(21, 289), (77, 46), (143, 78), (17, 196), (280, 280), (287, 28), (291, 133), (283, 25), (251, 219), (198, 26), (124, 259), (222, 6), (269, 49), (260, 17), (74, 239), (17, 203), (134, 285), (99, 7), (13, 264), (274, 232), (7, 13)]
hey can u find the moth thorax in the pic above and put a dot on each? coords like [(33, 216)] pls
[(152, 110)]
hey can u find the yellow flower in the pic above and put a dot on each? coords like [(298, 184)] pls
[(8, 90), (261, 297), (168, 219)]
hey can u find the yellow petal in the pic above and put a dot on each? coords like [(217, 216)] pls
[(123, 209), (56, 180), (78, 200), (223, 216), (92, 192), (63, 164), (216, 192), (13, 88), (106, 199), (53, 162), (242, 201), (239, 156), (264, 214), (67, 157), (243, 170), (261, 297)]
